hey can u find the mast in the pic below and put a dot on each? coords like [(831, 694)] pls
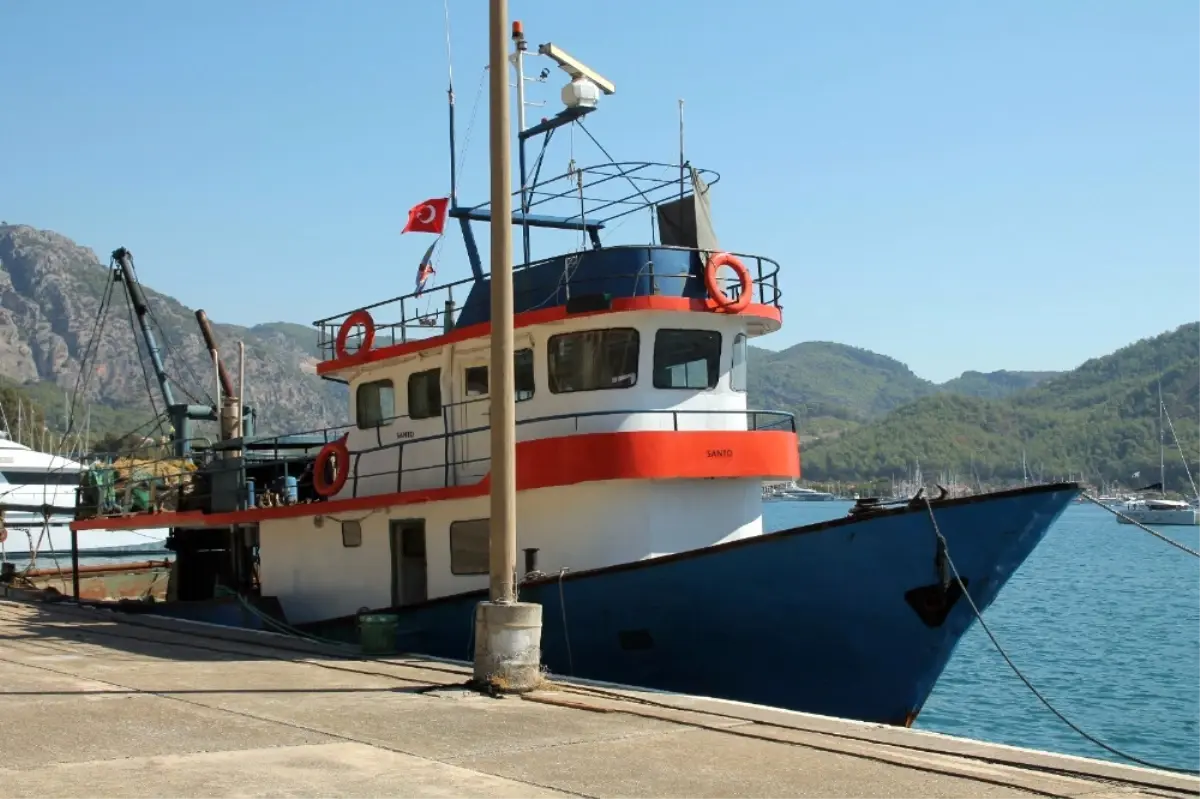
[(1162, 462), (518, 60), (450, 99)]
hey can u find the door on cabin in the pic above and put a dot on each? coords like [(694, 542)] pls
[(473, 434), (410, 569)]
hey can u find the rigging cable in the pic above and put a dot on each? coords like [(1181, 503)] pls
[(83, 378), (613, 161), (945, 550), (1179, 446)]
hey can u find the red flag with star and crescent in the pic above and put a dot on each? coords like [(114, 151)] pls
[(427, 217)]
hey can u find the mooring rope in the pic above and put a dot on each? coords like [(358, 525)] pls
[(1133, 521), (979, 617)]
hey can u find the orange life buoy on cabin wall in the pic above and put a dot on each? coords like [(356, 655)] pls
[(359, 317), (717, 293), (341, 467)]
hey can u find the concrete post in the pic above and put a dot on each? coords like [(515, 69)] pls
[(508, 634)]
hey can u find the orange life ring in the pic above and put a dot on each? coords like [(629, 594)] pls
[(717, 293), (341, 468), (359, 317)]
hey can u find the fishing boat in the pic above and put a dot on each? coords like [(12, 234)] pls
[(639, 471)]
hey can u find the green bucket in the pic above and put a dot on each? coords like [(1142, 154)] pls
[(377, 633)]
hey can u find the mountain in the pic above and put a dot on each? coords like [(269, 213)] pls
[(50, 296), (51, 292), (833, 388), (994, 385), (1100, 420)]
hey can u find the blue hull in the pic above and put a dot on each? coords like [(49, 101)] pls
[(845, 618)]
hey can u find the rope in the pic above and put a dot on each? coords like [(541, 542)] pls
[(1179, 446), (979, 617), (562, 605), (1154, 533)]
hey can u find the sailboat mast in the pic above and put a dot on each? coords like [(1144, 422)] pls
[(1162, 461)]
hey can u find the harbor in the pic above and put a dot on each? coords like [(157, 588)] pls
[(116, 706), (554, 505)]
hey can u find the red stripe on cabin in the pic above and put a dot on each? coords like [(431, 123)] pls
[(548, 463), (538, 317)]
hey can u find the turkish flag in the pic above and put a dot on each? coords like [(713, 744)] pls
[(427, 217)]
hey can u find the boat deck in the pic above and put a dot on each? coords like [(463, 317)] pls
[(100, 705)]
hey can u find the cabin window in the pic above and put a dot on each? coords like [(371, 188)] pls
[(425, 394), (687, 359), (475, 378), (352, 533), (39, 478), (737, 375), (374, 403), (593, 360), (469, 547), (523, 374)]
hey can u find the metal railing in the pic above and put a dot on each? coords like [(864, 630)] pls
[(193, 488), (400, 319), (756, 421)]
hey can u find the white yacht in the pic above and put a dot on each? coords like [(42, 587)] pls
[(795, 493), (1160, 511), (37, 503), (1156, 512)]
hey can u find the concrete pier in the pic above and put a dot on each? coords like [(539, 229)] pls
[(93, 703)]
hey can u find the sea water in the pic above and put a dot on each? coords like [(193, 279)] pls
[(1103, 619)]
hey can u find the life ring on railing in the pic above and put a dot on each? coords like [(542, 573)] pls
[(717, 293), (359, 317), (341, 469)]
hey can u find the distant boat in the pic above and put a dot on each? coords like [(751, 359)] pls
[(794, 493), (1161, 511), (37, 503)]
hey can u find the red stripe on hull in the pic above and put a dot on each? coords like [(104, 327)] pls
[(549, 463)]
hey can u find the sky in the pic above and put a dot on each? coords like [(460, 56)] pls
[(961, 186)]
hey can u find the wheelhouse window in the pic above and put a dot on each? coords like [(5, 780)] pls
[(469, 547), (737, 375), (425, 394), (374, 403), (475, 378), (687, 359), (593, 360)]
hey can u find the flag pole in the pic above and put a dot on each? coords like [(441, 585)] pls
[(507, 633)]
